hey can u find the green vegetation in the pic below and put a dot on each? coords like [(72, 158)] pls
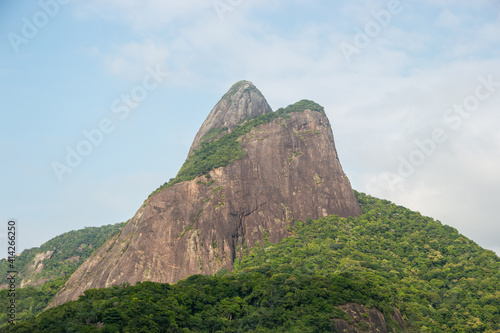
[(389, 256), (261, 300), (440, 280), (71, 249), (301, 106), (294, 154), (196, 217), (227, 149), (31, 300), (212, 134)]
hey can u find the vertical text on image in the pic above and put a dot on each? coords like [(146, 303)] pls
[(12, 272)]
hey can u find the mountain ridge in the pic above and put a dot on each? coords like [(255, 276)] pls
[(243, 100), (319, 265), (231, 193), (42, 271), (331, 273), (58, 255)]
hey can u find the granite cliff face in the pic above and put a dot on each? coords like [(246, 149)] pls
[(291, 172), (242, 101)]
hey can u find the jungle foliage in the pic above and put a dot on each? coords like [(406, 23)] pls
[(440, 280), (389, 256), (41, 282)]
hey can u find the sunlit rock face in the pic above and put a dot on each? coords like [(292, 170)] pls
[(291, 172)]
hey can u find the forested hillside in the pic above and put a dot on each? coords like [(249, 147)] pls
[(43, 270), (440, 280), (389, 258)]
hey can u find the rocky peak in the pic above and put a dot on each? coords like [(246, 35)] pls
[(243, 100), (278, 168)]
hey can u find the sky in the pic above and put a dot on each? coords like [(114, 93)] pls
[(101, 99)]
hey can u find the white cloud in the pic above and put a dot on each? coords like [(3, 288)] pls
[(453, 189), (489, 31), (448, 19), (458, 184), (145, 14), (130, 60), (395, 92)]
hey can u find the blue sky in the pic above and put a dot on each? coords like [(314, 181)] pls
[(411, 88)]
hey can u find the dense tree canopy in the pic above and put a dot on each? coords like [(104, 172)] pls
[(69, 250), (42, 281), (389, 256), (442, 281)]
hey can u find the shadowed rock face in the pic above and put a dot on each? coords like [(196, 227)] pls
[(365, 320), (291, 172), (243, 100)]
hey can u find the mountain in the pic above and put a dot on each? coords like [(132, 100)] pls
[(241, 102), (250, 174), (331, 259), (387, 270), (59, 256), (41, 271)]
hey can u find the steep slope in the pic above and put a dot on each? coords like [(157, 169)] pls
[(43, 270), (439, 280), (59, 256), (388, 270), (266, 173), (242, 101)]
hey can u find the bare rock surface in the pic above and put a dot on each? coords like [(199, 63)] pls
[(364, 320), (242, 101), (291, 172)]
